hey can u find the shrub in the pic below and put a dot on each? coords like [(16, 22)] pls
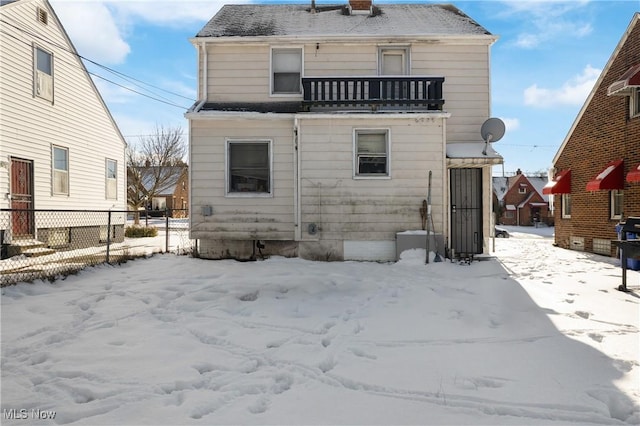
[(140, 231)]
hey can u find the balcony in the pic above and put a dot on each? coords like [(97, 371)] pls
[(399, 92)]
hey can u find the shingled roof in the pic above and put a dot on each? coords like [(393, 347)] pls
[(250, 20)]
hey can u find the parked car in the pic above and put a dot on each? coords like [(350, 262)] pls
[(501, 232)]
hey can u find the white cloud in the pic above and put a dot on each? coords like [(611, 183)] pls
[(545, 20), (573, 92), (170, 13), (93, 30), (511, 124)]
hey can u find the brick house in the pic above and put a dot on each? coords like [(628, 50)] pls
[(596, 180), (519, 201)]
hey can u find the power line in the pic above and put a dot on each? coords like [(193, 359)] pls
[(158, 97)]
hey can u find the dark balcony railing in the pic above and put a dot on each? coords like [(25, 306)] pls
[(400, 91)]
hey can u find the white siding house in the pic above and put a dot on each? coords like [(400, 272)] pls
[(316, 129), (60, 148)]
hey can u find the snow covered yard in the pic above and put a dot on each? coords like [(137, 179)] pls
[(538, 335)]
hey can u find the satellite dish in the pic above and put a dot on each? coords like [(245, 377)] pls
[(492, 130)]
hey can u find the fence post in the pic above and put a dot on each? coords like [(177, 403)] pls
[(108, 234), (166, 227)]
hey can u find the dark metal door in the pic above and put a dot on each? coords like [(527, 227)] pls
[(466, 211), (22, 197)]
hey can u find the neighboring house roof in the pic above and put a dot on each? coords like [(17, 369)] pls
[(3, 2), (634, 21), (174, 174), (250, 20), (502, 185)]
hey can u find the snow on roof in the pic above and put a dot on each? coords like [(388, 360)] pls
[(472, 150), (251, 20)]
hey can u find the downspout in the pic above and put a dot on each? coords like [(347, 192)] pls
[(296, 181), (205, 73), (446, 196)]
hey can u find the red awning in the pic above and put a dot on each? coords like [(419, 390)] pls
[(561, 184), (611, 177), (634, 174), (629, 80)]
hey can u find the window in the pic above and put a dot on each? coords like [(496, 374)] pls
[(522, 190), (371, 153), (393, 60), (249, 167), (112, 179), (60, 168), (286, 67), (634, 100), (617, 198), (159, 203), (566, 206), (43, 74)]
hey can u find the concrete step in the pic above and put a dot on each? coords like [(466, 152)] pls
[(29, 248)]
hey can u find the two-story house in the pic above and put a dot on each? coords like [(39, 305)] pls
[(60, 148), (521, 200), (317, 126), (596, 181)]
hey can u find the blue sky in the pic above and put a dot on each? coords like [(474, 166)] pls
[(546, 61)]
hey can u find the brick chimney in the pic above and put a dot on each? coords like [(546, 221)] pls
[(360, 6)]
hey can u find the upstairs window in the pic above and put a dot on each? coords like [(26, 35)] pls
[(635, 102), (371, 153), (393, 60), (112, 179), (286, 65), (43, 74), (249, 167), (60, 171)]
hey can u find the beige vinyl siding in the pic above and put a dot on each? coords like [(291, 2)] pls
[(344, 208), (240, 73), (241, 218), (76, 120)]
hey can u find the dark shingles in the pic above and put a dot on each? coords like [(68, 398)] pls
[(250, 20)]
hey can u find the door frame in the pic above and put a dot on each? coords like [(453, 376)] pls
[(466, 211), (22, 223)]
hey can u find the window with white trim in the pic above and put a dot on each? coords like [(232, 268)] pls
[(371, 153), (60, 170), (249, 167), (566, 206), (286, 71), (43, 74), (617, 200), (111, 179), (393, 60), (634, 101)]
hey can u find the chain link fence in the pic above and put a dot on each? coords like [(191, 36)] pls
[(46, 244)]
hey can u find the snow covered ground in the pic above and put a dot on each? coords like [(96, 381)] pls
[(538, 335)]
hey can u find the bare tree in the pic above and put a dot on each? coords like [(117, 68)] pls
[(155, 166)]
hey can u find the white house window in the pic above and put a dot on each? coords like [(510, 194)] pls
[(249, 167), (393, 60), (566, 206), (635, 102), (60, 170), (286, 65), (371, 153), (617, 198), (522, 190), (112, 179), (43, 74)]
